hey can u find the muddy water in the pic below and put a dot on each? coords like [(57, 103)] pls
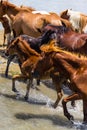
[(37, 113)]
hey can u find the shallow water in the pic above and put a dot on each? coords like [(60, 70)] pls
[(37, 113)]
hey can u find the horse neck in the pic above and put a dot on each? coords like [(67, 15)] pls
[(67, 62), (44, 39), (12, 10)]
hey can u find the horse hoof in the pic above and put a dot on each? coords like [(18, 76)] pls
[(72, 119), (26, 98), (6, 75), (54, 106), (15, 90)]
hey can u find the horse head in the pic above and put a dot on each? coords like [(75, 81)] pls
[(65, 14), (3, 7)]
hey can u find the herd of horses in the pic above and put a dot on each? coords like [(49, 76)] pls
[(48, 45)]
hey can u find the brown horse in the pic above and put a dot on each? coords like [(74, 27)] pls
[(69, 39), (69, 66), (29, 58), (27, 22), (33, 23), (11, 9)]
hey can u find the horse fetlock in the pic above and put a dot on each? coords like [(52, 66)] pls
[(14, 90), (55, 105), (70, 117)]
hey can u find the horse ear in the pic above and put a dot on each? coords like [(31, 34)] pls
[(66, 11)]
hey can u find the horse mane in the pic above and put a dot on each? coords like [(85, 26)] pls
[(51, 47), (58, 29), (27, 8), (8, 4), (25, 47)]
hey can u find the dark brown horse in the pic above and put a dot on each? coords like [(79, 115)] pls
[(68, 39), (34, 43)]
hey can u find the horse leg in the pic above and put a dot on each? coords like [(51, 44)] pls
[(57, 80), (59, 96), (10, 58), (38, 81), (85, 111), (14, 78), (29, 85), (68, 84), (72, 97)]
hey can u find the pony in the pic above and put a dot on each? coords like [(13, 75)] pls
[(77, 19), (29, 58), (69, 39)]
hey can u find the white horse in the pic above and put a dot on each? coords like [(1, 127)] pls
[(77, 19)]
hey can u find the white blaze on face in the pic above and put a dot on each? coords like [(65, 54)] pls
[(74, 19), (40, 12)]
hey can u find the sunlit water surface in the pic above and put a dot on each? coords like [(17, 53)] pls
[(37, 113)]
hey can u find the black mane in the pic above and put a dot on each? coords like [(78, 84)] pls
[(57, 29)]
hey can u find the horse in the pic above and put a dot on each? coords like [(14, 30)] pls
[(29, 57), (34, 43), (70, 66), (10, 9), (69, 39), (7, 29), (77, 19), (29, 22)]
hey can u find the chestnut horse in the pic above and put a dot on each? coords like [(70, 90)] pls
[(29, 58), (77, 19), (70, 66), (28, 22), (69, 39)]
